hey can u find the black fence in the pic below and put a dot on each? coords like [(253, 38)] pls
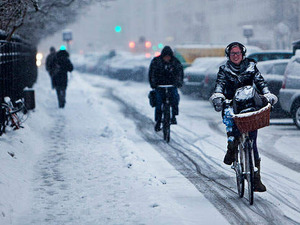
[(17, 68)]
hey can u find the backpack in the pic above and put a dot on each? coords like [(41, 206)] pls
[(152, 98), (247, 99)]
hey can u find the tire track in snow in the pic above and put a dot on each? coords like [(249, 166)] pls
[(214, 184)]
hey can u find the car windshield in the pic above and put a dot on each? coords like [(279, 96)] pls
[(264, 68), (279, 68), (205, 62), (272, 67), (199, 62)]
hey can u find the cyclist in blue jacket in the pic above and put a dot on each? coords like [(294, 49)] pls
[(165, 69)]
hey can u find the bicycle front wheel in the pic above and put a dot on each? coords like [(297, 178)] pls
[(250, 170), (239, 170)]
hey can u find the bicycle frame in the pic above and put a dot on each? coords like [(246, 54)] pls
[(166, 113), (244, 166), (11, 114)]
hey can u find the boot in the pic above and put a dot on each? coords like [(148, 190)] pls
[(230, 154), (157, 126), (258, 185), (173, 120)]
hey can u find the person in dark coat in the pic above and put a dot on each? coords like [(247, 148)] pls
[(60, 78), (238, 72), (50, 65), (165, 69)]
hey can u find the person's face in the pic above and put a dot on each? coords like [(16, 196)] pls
[(167, 58), (236, 55)]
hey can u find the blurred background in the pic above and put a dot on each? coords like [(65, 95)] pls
[(268, 24), (118, 38)]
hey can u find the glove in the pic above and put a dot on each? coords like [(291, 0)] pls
[(179, 85), (272, 99), (217, 100)]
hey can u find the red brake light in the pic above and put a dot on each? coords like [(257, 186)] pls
[(284, 81), (148, 44), (131, 44), (206, 80), (283, 84)]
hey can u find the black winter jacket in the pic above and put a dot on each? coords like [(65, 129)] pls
[(64, 66), (50, 60), (162, 73), (230, 79)]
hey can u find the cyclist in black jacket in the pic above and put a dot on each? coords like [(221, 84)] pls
[(237, 72), (166, 69)]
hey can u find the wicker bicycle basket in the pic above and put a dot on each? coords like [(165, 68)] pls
[(251, 121)]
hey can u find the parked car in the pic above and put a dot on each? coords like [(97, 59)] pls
[(107, 68), (210, 76), (273, 71), (100, 68), (289, 95), (270, 55), (194, 75), (78, 61), (92, 61), (128, 67)]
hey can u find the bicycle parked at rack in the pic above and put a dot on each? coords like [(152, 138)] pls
[(13, 114), (166, 112), (244, 157)]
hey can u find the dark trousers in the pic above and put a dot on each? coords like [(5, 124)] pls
[(51, 74), (160, 99), (61, 96), (253, 136)]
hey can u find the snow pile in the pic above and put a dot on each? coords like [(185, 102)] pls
[(87, 164)]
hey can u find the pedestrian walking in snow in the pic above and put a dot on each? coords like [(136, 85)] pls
[(63, 65), (50, 65)]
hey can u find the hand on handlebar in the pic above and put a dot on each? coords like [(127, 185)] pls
[(217, 100), (272, 99)]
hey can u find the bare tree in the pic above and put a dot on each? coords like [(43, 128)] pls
[(13, 13), (35, 19)]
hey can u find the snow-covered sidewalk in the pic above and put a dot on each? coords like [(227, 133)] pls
[(87, 164)]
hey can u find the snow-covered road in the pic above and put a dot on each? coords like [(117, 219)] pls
[(99, 161)]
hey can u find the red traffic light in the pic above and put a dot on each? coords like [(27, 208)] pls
[(156, 53), (131, 44), (148, 44)]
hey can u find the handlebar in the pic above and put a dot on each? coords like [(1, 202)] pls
[(13, 109), (166, 86)]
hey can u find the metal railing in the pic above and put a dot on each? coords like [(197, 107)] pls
[(17, 68)]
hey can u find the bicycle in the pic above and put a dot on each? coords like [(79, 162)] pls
[(12, 114), (244, 156), (166, 120)]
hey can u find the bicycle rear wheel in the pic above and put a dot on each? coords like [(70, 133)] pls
[(249, 170), (166, 123)]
